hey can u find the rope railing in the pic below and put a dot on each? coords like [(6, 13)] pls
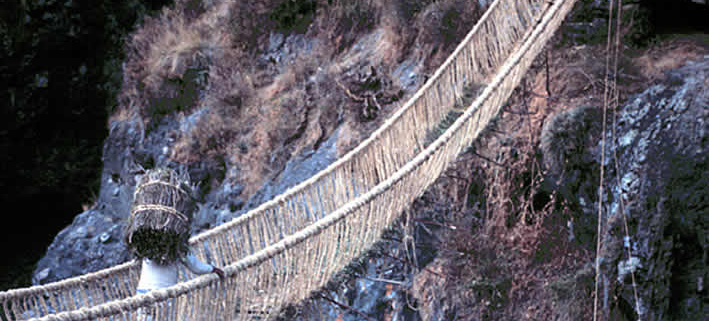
[(285, 269)]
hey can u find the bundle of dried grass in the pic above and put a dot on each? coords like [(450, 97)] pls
[(160, 217)]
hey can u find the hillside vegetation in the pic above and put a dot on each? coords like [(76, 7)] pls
[(272, 77)]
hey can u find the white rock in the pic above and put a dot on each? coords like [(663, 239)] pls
[(105, 237), (628, 266), (628, 138), (42, 275)]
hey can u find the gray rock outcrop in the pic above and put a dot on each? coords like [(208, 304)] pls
[(660, 189), (655, 204), (90, 243), (94, 239)]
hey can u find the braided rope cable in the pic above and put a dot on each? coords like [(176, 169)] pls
[(347, 160), (56, 286), (429, 159)]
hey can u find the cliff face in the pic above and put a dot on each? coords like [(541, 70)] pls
[(654, 251), (525, 232), (286, 88)]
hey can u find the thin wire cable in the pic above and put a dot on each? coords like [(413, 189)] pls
[(599, 235), (615, 155)]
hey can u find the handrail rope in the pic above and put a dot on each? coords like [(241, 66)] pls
[(292, 191), (56, 286), (289, 242)]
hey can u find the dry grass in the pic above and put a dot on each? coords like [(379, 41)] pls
[(258, 114), (511, 257), (671, 54), (440, 28), (158, 59), (501, 263)]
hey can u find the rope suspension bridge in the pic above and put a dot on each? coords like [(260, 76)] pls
[(280, 252)]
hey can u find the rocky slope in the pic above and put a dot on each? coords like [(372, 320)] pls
[(247, 123), (655, 252), (252, 113), (531, 256)]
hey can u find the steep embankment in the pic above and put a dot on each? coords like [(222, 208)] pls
[(282, 88), (527, 200)]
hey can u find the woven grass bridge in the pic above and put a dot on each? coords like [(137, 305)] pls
[(280, 252)]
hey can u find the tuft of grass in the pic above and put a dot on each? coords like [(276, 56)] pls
[(167, 63)]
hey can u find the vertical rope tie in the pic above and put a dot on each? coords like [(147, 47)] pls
[(599, 228)]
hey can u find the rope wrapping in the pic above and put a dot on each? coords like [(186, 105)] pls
[(158, 207), (288, 247)]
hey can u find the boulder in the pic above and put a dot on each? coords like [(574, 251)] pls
[(92, 242), (656, 201)]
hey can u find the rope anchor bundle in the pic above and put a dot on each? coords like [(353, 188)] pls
[(160, 217)]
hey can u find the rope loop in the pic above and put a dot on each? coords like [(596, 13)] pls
[(158, 207), (158, 182)]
